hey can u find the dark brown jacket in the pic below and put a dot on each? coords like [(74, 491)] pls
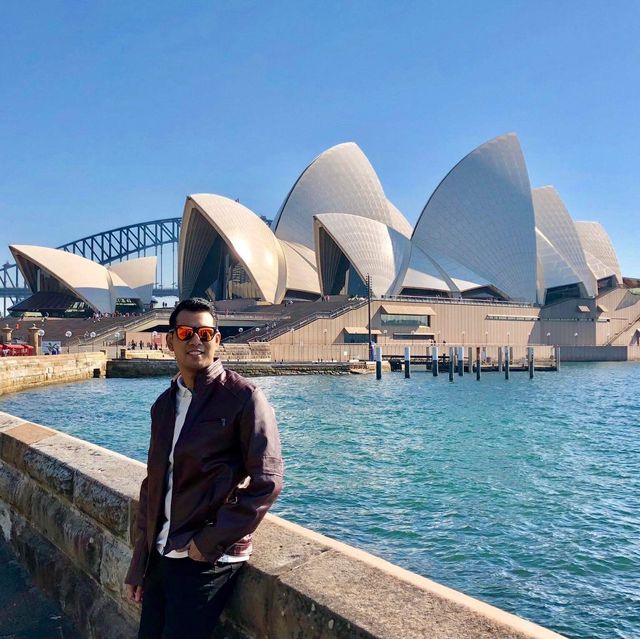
[(229, 434)]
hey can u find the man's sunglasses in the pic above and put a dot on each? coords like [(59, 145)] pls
[(205, 333)]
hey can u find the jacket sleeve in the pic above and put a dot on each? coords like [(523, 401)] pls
[(260, 443), (135, 574), (137, 567)]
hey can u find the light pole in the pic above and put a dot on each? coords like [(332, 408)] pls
[(68, 335), (40, 335), (486, 337), (548, 340), (92, 335), (463, 334), (292, 331), (575, 335), (384, 333), (154, 335), (324, 332), (116, 336)]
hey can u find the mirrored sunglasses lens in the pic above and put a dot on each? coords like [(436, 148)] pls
[(184, 333), (206, 333)]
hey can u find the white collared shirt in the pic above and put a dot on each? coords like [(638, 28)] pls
[(183, 400)]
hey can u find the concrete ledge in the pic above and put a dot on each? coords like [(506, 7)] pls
[(167, 368), (18, 373), (67, 507)]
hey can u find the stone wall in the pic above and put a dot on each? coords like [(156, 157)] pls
[(143, 368), (68, 508), (18, 373), (594, 354)]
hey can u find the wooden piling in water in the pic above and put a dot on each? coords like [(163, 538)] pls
[(407, 362), (451, 360), (507, 362), (434, 360), (499, 359), (530, 360), (460, 354), (378, 362), (478, 369)]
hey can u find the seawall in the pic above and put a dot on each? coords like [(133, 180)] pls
[(68, 509), (167, 368), (19, 373)]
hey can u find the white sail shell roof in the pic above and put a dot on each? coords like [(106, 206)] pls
[(556, 271), (481, 215), (423, 273), (555, 224), (301, 268), (598, 249), (399, 221), (138, 275), (89, 280), (246, 235), (372, 248), (340, 179), (462, 278)]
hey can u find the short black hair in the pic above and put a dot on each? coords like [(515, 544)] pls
[(194, 305)]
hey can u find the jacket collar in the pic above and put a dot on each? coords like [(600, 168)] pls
[(203, 377)]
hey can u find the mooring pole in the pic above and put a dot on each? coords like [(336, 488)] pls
[(557, 358), (378, 362), (451, 360), (530, 358), (407, 362), (478, 371), (499, 359), (507, 361), (461, 361), (434, 360)]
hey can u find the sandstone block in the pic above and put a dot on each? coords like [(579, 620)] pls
[(9, 421), (76, 535), (49, 471), (116, 556), (105, 505), (15, 441), (15, 488)]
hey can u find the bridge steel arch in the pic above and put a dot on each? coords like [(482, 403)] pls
[(115, 245)]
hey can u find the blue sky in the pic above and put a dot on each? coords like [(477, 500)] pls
[(112, 112)]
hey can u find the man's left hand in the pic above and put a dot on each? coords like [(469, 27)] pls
[(194, 553)]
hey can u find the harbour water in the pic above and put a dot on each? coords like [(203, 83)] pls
[(525, 494)]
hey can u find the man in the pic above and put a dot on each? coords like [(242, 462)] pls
[(214, 469)]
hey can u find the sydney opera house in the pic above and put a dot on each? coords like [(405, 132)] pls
[(484, 233), (484, 242)]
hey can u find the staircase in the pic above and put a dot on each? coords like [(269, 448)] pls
[(298, 315)]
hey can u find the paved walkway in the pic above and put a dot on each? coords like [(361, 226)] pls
[(25, 612)]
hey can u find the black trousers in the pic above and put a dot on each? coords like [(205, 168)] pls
[(183, 598)]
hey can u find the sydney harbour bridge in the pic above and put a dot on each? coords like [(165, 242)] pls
[(158, 237)]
